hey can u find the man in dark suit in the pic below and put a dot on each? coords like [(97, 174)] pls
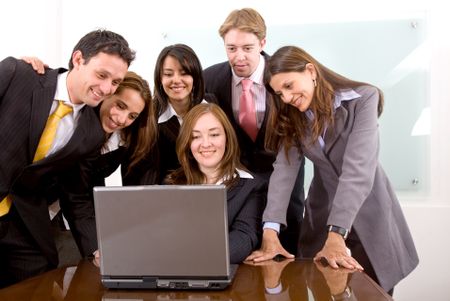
[(28, 101), (244, 35)]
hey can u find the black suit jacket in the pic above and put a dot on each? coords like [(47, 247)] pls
[(246, 201), (25, 102), (218, 80), (162, 159), (253, 154)]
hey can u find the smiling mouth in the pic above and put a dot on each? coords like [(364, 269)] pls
[(295, 101), (207, 153), (113, 124), (96, 94), (177, 89)]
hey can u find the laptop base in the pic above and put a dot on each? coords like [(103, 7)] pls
[(171, 284)]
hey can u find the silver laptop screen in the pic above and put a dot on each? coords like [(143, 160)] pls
[(162, 230)]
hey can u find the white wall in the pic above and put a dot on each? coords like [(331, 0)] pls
[(50, 28), (31, 27)]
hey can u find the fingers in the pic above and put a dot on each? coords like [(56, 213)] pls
[(96, 261), (270, 248), (262, 255), (38, 67), (254, 255), (286, 254), (27, 59), (327, 261), (36, 63), (343, 261)]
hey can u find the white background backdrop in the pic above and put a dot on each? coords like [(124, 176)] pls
[(50, 28)]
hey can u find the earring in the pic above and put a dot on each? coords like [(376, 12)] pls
[(315, 82)]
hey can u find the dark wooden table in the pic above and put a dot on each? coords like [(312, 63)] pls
[(289, 280)]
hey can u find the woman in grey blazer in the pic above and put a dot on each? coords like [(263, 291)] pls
[(352, 216), (208, 152)]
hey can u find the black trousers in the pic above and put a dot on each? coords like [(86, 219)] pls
[(68, 252), (20, 256)]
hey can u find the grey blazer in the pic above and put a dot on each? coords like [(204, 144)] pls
[(349, 189)]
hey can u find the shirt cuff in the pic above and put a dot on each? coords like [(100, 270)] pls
[(275, 290), (272, 225)]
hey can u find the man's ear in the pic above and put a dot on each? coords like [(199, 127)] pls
[(77, 58), (263, 43)]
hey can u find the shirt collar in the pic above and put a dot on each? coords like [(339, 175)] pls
[(344, 95), (170, 112), (167, 114), (256, 76), (242, 174), (340, 96), (113, 143), (63, 94)]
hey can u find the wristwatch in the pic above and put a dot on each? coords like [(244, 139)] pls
[(342, 296), (344, 232)]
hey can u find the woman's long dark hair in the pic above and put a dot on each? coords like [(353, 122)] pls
[(190, 64), (288, 126)]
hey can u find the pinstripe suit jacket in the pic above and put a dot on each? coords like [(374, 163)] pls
[(25, 102)]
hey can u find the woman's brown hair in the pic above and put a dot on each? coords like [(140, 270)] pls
[(189, 172), (140, 137), (288, 126)]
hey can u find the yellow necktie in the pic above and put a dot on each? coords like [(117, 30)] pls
[(46, 141)]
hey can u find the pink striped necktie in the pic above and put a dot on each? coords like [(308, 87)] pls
[(247, 111)]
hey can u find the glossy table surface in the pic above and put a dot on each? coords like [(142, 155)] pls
[(273, 280)]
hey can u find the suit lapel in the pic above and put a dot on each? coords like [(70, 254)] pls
[(332, 134), (87, 135), (40, 108), (232, 192), (227, 98), (262, 130), (79, 136)]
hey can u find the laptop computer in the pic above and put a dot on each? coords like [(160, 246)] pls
[(163, 236)]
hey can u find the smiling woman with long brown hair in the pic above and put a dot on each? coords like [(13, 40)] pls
[(351, 206), (209, 154)]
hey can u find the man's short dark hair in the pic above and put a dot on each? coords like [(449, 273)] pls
[(103, 41)]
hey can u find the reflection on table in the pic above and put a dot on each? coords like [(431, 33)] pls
[(272, 280)]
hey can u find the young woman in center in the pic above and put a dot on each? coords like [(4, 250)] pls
[(208, 153), (178, 87)]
